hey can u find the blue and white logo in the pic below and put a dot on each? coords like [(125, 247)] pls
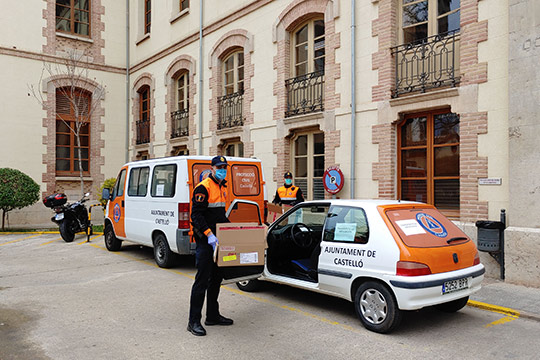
[(431, 225)]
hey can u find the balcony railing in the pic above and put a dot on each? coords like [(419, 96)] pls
[(180, 123), (143, 131), (429, 63), (305, 94), (230, 110)]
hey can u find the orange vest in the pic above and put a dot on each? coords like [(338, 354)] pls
[(217, 195), (287, 194)]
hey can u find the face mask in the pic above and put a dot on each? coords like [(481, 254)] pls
[(221, 174), (288, 181)]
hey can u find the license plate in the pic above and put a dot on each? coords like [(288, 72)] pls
[(59, 216), (455, 285)]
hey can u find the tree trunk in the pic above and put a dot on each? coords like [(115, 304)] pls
[(80, 162), (3, 218)]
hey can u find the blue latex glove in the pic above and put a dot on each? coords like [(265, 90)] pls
[(212, 240)]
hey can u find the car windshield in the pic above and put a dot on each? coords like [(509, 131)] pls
[(425, 227), (311, 216)]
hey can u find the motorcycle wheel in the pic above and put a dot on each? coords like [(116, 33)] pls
[(65, 231)]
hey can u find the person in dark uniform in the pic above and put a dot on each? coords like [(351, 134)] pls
[(288, 194), (208, 209)]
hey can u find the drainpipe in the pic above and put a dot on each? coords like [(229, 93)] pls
[(200, 89), (127, 81), (353, 96)]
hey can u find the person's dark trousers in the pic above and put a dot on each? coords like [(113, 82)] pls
[(208, 280)]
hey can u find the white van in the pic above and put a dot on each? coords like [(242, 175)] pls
[(151, 201)]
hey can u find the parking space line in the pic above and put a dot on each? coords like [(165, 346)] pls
[(50, 242), (248, 295), (17, 240), (92, 238), (511, 314)]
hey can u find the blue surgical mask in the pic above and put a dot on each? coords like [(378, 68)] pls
[(221, 174), (288, 181)]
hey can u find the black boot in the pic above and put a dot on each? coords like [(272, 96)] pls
[(196, 329), (221, 320)]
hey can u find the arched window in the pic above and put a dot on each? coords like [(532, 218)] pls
[(233, 73), (143, 123), (230, 104), (180, 116), (308, 48), (308, 164), (72, 122)]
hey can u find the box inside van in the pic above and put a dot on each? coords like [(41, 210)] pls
[(150, 203)]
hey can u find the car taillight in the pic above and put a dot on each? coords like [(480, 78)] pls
[(476, 260), (409, 268), (183, 215), (265, 211)]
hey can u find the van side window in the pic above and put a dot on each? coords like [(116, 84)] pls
[(119, 186), (138, 181), (163, 181), (346, 224)]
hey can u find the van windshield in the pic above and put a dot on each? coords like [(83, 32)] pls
[(425, 227)]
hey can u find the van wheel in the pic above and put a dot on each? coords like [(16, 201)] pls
[(162, 252), (452, 306), (112, 243), (376, 307), (249, 285)]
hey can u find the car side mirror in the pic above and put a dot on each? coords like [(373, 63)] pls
[(106, 194)]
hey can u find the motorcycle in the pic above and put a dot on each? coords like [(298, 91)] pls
[(71, 218)]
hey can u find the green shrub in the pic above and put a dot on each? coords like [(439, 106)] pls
[(17, 190), (107, 184)]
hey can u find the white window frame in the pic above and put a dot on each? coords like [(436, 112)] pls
[(310, 60), (238, 82)]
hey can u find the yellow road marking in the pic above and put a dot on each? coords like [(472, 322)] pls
[(92, 238), (17, 240), (49, 242), (242, 293), (511, 314)]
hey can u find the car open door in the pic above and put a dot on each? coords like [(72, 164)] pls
[(249, 263)]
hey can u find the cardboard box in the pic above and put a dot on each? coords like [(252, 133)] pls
[(274, 212), (240, 244)]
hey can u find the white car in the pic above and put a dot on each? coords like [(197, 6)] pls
[(385, 256)]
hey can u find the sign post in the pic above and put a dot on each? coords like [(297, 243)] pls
[(333, 180)]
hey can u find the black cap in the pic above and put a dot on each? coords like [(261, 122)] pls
[(219, 160), (288, 174)]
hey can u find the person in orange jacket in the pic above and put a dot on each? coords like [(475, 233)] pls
[(288, 194), (208, 209)]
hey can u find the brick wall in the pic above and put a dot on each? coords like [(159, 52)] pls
[(230, 41), (296, 13), (178, 65), (145, 79)]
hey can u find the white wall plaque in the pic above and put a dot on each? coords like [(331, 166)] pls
[(490, 181)]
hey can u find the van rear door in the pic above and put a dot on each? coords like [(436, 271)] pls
[(117, 204), (244, 212)]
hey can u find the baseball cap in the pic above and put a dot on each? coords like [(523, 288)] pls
[(288, 174), (219, 160)]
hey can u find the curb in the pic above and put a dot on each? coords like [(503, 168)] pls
[(503, 310)]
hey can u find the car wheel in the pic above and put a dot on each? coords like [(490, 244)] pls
[(65, 231), (249, 285), (453, 306), (162, 252), (376, 307), (112, 243)]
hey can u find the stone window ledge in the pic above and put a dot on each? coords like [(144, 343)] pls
[(431, 95), (178, 15), (75, 37), (142, 38)]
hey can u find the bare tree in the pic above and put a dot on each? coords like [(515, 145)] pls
[(70, 79)]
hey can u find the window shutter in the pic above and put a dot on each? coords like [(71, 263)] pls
[(62, 104)]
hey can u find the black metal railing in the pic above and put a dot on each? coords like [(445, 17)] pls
[(305, 94), (230, 110), (180, 123), (143, 131), (429, 63)]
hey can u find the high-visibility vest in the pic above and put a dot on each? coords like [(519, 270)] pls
[(287, 194), (217, 195)]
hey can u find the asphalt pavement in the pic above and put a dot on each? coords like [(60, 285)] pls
[(509, 299)]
